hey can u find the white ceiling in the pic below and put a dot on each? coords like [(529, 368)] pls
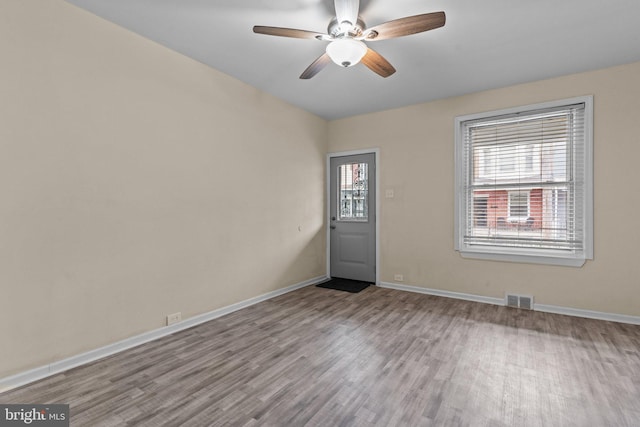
[(484, 44)]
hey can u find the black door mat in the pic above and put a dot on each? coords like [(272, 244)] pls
[(347, 285)]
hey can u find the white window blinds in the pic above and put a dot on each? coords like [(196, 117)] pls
[(523, 180)]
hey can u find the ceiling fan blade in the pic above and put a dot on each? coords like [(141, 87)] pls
[(347, 10), (405, 26), (376, 63), (316, 66), (289, 32)]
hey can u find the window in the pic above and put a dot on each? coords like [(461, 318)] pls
[(524, 183), (354, 190), (518, 205)]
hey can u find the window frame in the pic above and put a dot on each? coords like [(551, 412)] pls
[(526, 255)]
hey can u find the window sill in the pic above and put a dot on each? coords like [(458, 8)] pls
[(528, 258)]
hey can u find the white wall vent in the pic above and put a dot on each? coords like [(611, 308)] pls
[(519, 301)]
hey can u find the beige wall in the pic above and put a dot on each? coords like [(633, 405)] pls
[(416, 148), (136, 182)]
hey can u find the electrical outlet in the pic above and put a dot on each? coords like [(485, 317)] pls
[(174, 318), (398, 277)]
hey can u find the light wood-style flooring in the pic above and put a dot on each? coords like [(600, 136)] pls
[(381, 357)]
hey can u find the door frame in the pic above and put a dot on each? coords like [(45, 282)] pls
[(376, 157)]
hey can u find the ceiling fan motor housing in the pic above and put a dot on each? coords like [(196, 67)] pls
[(337, 30)]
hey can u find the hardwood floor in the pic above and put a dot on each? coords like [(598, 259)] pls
[(321, 357)]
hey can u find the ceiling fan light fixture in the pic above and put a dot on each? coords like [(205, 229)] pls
[(346, 52)]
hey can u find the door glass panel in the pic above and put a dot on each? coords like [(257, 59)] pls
[(354, 192)]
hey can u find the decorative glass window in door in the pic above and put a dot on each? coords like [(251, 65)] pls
[(353, 192)]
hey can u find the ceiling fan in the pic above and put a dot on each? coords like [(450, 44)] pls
[(347, 33)]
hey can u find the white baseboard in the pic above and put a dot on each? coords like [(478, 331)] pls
[(53, 368), (589, 314), (441, 293), (568, 311)]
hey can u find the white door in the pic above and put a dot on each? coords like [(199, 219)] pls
[(352, 219)]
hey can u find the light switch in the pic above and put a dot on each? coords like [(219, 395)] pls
[(388, 194)]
